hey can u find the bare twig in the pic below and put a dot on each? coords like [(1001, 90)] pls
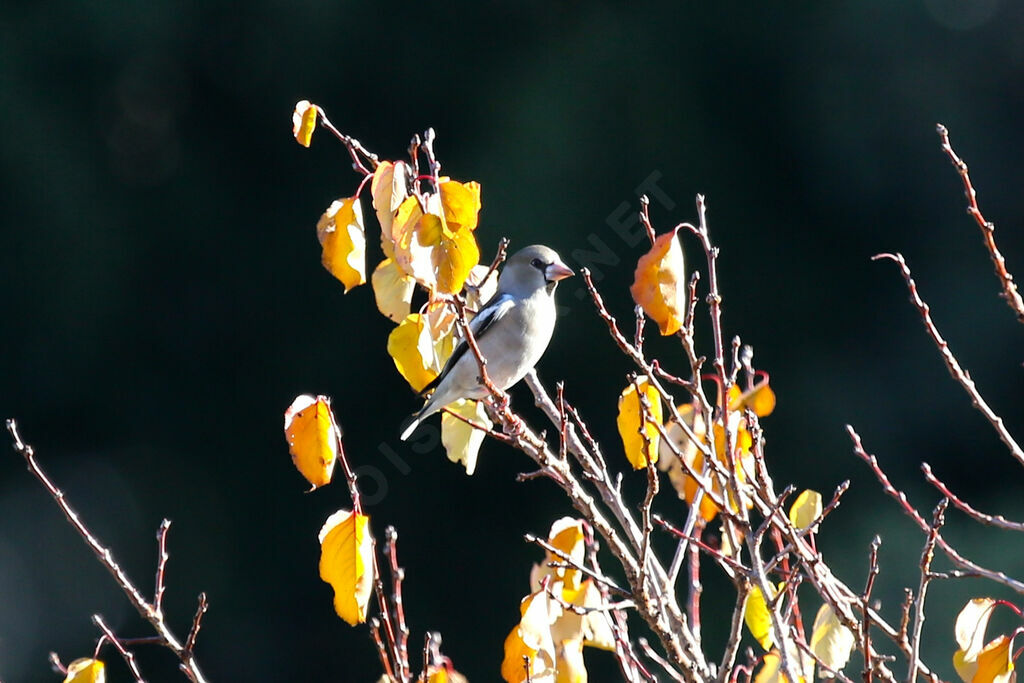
[(938, 518), (659, 660), (126, 654), (147, 610), (959, 504), (354, 147), (865, 601), (1013, 298), (958, 373)]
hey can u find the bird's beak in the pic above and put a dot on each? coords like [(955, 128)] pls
[(557, 271)]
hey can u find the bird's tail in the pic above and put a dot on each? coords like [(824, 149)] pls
[(414, 422)]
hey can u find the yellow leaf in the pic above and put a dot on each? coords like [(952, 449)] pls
[(460, 440), (531, 639), (831, 642), (343, 238), (392, 290), (346, 562), (312, 435), (461, 203), (389, 188), (971, 624), (760, 399), (455, 256), (304, 121), (639, 449), (597, 627), (758, 617), (659, 284), (567, 536), (85, 670), (569, 666), (805, 509), (995, 662), (412, 350), (771, 671)]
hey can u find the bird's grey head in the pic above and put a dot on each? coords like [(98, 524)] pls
[(533, 268)]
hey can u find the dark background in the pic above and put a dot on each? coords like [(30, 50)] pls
[(164, 302)]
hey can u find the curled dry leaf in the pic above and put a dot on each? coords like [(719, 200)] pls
[(304, 121), (312, 434), (659, 284), (831, 642), (805, 509), (462, 441), (346, 562), (639, 447), (343, 238), (392, 290), (86, 670)]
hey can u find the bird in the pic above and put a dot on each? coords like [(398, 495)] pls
[(512, 329)]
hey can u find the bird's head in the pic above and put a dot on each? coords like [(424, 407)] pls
[(533, 268)]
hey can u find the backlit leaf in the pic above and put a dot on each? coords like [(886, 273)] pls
[(760, 399), (461, 204), (805, 509), (412, 350), (569, 666), (831, 642), (758, 617), (638, 448), (462, 441), (392, 289), (971, 624), (343, 238), (531, 638), (312, 435), (389, 188), (85, 670), (659, 284), (304, 122), (995, 662), (771, 670), (346, 562)]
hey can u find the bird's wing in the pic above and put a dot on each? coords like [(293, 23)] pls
[(492, 311)]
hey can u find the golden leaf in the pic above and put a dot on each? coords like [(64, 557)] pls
[(429, 250), (85, 670), (461, 204), (569, 666), (460, 440), (771, 671), (805, 509), (639, 448), (389, 188), (412, 350), (758, 617), (343, 238), (760, 399), (455, 256), (531, 639), (831, 642), (304, 122), (995, 662), (312, 435), (392, 289), (659, 284), (971, 623), (346, 562)]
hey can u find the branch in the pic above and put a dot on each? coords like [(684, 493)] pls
[(1013, 298), (148, 611), (958, 503), (955, 370)]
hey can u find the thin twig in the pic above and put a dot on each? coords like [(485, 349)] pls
[(865, 600), (938, 519), (1013, 298), (126, 654), (958, 373), (106, 558), (659, 660), (958, 503)]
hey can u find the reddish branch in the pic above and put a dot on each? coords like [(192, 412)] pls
[(988, 229), (958, 503)]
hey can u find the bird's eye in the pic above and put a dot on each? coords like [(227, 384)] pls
[(537, 263)]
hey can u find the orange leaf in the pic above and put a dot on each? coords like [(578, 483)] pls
[(312, 435), (346, 562), (304, 121), (531, 639), (461, 203), (659, 285), (343, 237), (639, 448)]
